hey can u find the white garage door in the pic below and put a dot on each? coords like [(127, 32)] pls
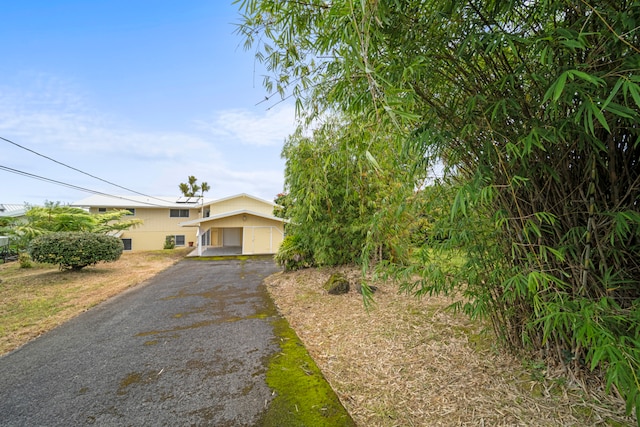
[(232, 237)]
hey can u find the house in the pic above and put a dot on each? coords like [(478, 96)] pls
[(240, 224), (12, 210), (160, 217)]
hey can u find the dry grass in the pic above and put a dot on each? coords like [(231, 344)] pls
[(35, 300), (410, 362), (406, 362)]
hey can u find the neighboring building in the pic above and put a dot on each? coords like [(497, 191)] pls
[(12, 210), (240, 224)]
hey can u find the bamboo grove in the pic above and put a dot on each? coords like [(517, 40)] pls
[(532, 106)]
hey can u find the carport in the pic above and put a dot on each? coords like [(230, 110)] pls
[(242, 232)]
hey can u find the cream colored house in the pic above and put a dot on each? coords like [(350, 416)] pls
[(161, 217), (240, 224)]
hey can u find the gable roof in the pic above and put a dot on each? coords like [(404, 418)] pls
[(196, 222), (104, 201), (117, 201), (237, 196)]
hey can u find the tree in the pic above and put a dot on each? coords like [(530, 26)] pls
[(533, 105), (192, 189), (55, 217), (336, 189), (282, 204)]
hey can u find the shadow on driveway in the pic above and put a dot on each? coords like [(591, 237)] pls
[(192, 346)]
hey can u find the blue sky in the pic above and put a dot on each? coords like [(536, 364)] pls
[(140, 93)]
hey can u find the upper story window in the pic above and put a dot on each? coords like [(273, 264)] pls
[(102, 210), (132, 211), (179, 213)]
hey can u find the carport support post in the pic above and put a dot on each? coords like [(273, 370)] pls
[(199, 241)]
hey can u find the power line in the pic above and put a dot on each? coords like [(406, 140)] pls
[(78, 170), (75, 187)]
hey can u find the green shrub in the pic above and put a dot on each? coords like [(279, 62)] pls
[(170, 242), (293, 254), (74, 250), (25, 260)]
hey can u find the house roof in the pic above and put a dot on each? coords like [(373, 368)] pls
[(197, 222), (12, 210), (236, 196), (104, 201)]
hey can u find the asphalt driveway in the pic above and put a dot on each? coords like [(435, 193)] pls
[(189, 347)]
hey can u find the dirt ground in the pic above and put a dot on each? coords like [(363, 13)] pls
[(411, 362)]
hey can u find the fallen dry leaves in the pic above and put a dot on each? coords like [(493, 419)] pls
[(411, 362)]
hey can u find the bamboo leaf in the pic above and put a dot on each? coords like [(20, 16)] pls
[(599, 116), (555, 90), (613, 93), (573, 44), (372, 160), (634, 91), (459, 205), (586, 77), (620, 110), (559, 85)]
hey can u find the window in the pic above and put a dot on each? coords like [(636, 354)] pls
[(131, 210), (180, 240), (127, 244), (102, 210), (179, 213)]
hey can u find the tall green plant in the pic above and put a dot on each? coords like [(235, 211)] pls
[(338, 179), (54, 217), (192, 189), (534, 107)]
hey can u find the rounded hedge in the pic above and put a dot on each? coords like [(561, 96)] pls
[(75, 250)]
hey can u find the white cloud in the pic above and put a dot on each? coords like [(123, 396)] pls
[(249, 128), (50, 117)]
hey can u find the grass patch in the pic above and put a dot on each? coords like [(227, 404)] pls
[(445, 258), (303, 397), (37, 299)]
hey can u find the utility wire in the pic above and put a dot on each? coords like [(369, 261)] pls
[(75, 187), (78, 170)]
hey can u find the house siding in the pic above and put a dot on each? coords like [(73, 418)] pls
[(261, 240), (240, 203), (156, 226), (259, 235), (259, 231)]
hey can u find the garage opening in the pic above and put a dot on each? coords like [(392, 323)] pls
[(232, 240)]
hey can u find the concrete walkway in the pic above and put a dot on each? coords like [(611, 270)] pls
[(189, 347)]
